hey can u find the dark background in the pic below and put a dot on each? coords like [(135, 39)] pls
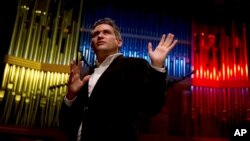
[(204, 11)]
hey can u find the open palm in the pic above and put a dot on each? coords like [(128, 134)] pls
[(75, 82), (160, 53)]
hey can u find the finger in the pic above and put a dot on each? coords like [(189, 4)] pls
[(85, 79), (74, 72), (169, 40), (72, 64), (149, 47), (75, 77), (162, 39), (75, 68), (70, 78), (80, 64), (173, 44)]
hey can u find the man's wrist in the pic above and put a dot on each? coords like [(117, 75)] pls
[(70, 95), (163, 69)]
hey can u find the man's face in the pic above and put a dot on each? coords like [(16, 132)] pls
[(103, 39)]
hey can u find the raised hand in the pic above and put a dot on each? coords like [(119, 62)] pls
[(160, 53), (75, 82)]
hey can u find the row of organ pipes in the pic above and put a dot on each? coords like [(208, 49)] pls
[(43, 43), (220, 86)]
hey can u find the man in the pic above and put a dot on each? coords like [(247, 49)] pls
[(105, 105)]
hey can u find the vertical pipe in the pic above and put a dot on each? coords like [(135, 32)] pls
[(14, 34), (245, 60), (6, 76), (54, 35), (30, 31), (58, 53), (37, 51), (77, 30)]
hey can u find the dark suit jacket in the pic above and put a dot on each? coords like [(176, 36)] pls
[(128, 87)]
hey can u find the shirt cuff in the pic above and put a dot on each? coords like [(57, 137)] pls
[(69, 102), (159, 69)]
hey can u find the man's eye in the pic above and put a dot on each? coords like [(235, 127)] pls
[(94, 35)]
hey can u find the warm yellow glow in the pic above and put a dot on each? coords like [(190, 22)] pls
[(214, 72), (239, 68), (208, 74), (201, 72), (38, 11), (246, 71), (217, 78), (27, 100), (35, 65), (17, 98), (10, 85), (2, 93)]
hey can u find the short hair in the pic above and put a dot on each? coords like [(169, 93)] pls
[(110, 22)]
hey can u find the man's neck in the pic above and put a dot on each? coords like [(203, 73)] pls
[(102, 57), (108, 59)]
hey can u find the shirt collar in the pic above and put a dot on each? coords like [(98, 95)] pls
[(108, 60)]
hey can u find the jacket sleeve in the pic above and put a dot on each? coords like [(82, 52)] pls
[(155, 89), (70, 117), (151, 86)]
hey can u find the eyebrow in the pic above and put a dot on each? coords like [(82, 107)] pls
[(97, 32)]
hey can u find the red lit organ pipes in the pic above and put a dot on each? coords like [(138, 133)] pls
[(221, 57), (43, 43), (220, 87)]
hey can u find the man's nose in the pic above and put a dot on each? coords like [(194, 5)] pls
[(100, 34)]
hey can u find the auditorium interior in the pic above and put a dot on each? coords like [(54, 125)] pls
[(207, 96)]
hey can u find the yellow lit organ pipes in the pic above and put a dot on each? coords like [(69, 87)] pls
[(44, 41)]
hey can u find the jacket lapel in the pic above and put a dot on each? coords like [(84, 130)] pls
[(106, 74)]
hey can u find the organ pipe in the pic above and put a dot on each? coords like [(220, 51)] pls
[(37, 64)]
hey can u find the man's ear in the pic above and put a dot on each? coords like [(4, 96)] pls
[(119, 42)]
